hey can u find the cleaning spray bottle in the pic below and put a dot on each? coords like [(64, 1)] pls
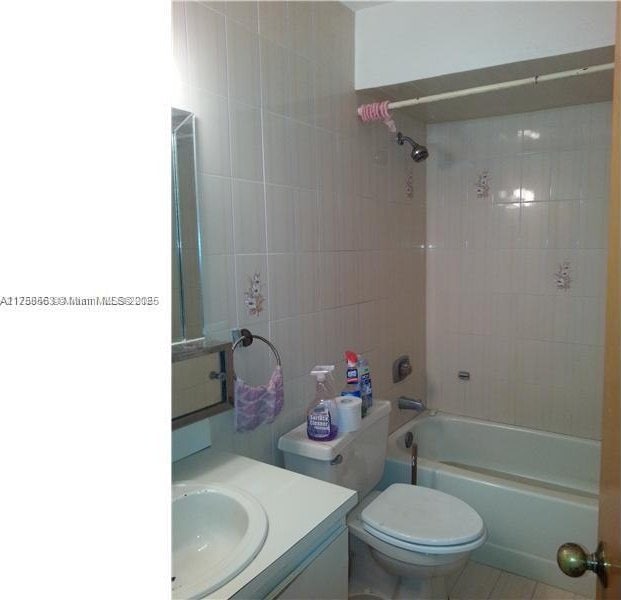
[(321, 422), (359, 380)]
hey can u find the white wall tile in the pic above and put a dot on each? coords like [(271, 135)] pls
[(301, 89), (505, 225), (593, 223), (328, 222), (273, 21), (329, 280), (246, 142), (307, 265), (220, 309), (568, 171), (538, 131), (506, 135), (535, 182), (501, 270), (563, 224), (571, 128), (274, 77), (301, 32), (596, 182), (249, 217), (213, 151), (529, 316), (534, 349), (281, 207), (179, 43), (591, 327), (216, 214), (600, 125), (286, 335), (206, 48), (326, 106), (307, 232), (245, 13), (504, 179), (243, 63), (590, 273), (349, 278), (303, 171), (276, 148), (326, 161), (283, 286), (534, 225)]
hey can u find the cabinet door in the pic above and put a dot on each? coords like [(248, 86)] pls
[(325, 577)]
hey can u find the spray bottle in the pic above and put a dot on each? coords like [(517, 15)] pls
[(321, 421), (359, 380)]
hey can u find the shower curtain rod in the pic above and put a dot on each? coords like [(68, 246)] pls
[(501, 86)]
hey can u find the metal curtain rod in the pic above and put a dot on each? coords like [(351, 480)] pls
[(501, 86)]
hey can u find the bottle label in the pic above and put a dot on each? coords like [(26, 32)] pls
[(365, 385), (318, 425), (352, 375), (366, 392)]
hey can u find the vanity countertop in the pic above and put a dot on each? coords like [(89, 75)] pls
[(301, 511)]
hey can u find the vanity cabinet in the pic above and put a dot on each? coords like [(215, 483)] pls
[(305, 553), (324, 577)]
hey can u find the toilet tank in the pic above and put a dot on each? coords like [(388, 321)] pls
[(354, 460)]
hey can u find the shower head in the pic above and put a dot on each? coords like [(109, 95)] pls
[(419, 153)]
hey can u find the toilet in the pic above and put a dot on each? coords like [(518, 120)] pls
[(418, 534)]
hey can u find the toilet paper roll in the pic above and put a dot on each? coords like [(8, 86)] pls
[(349, 411)]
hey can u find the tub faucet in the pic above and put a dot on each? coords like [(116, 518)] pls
[(406, 403)]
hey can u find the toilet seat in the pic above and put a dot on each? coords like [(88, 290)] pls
[(423, 520), (426, 549)]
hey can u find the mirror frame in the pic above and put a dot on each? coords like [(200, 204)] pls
[(187, 229), (196, 349)]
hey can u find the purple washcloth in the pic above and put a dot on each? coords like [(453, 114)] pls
[(256, 405)]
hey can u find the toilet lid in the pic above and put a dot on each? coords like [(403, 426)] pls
[(420, 515)]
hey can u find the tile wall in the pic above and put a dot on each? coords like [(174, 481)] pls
[(510, 201), (329, 213)]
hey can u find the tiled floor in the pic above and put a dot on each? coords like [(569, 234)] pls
[(475, 582), (478, 582)]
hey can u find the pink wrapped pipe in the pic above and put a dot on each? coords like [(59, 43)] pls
[(377, 111)]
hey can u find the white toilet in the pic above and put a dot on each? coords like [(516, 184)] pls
[(419, 534)]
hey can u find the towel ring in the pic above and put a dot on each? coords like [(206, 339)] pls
[(247, 338)]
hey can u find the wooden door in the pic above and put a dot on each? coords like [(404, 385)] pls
[(610, 472)]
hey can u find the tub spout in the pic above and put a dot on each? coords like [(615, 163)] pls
[(406, 403)]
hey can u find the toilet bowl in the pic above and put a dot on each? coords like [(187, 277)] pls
[(418, 534)]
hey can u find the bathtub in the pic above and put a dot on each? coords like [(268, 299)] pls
[(534, 490)]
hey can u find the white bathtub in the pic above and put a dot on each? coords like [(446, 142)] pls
[(534, 490)]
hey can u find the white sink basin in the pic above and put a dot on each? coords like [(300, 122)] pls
[(216, 531)]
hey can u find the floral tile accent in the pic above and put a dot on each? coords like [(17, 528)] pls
[(409, 186), (482, 184), (253, 298), (562, 276)]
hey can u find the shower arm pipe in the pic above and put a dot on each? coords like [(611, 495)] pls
[(501, 86)]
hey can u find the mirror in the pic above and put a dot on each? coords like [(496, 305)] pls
[(187, 306), (202, 383)]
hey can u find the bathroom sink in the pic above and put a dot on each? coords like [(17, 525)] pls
[(216, 531)]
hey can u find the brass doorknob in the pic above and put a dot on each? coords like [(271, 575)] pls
[(574, 560)]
